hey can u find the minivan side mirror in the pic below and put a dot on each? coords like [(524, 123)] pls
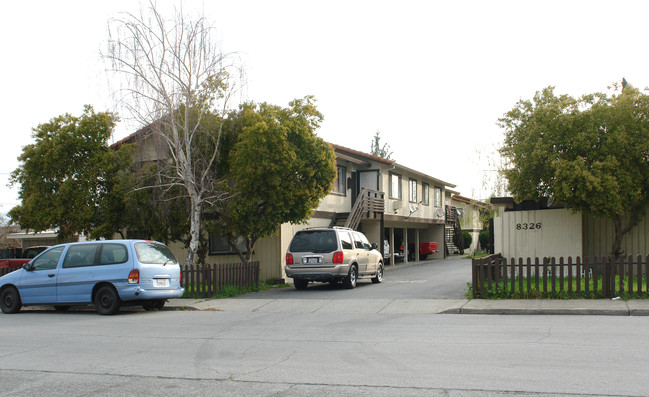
[(28, 266), (374, 246)]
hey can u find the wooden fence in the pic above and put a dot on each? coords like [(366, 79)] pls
[(208, 280), (605, 276)]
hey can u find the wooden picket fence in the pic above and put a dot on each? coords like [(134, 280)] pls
[(606, 276), (208, 280)]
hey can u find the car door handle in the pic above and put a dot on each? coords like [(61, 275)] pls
[(51, 275)]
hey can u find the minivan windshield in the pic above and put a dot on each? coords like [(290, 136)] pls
[(314, 241), (154, 253)]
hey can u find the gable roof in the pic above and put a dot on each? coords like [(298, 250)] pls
[(341, 152)]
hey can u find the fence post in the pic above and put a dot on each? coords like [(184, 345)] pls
[(570, 274), (639, 275), (607, 279), (474, 277), (520, 276), (561, 273)]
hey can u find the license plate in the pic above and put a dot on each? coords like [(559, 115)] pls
[(161, 282), (312, 261)]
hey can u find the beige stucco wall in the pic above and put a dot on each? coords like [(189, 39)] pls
[(267, 252), (402, 207), (560, 234)]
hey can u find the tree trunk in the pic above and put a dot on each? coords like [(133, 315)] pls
[(620, 229), (195, 230)]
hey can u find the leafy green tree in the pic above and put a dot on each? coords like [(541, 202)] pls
[(589, 153), (380, 150), (278, 170), (65, 175)]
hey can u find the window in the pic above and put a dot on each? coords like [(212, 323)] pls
[(340, 184), (80, 255), (220, 245), (48, 260), (437, 197), (395, 186), (155, 253), (366, 243), (412, 191), (345, 240), (424, 193), (314, 241), (358, 242), (112, 254)]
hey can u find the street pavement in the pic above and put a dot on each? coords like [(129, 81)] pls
[(428, 287)]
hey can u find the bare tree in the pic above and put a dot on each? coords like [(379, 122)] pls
[(175, 78)]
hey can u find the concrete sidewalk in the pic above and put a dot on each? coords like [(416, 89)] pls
[(600, 307)]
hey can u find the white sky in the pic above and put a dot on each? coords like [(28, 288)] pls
[(432, 76)]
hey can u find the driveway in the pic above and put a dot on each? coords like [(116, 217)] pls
[(430, 279)]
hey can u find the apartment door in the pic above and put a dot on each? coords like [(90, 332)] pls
[(364, 180)]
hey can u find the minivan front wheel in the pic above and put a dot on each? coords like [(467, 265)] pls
[(107, 301), (10, 301), (350, 281), (379, 275)]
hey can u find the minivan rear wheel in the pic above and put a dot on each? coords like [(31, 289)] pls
[(106, 301), (350, 281), (300, 284)]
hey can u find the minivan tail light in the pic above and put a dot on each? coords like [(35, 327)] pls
[(289, 259), (338, 257), (134, 277)]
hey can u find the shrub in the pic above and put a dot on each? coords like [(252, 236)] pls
[(484, 239), (468, 239)]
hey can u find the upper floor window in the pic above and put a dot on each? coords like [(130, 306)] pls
[(412, 190), (425, 193), (340, 182), (395, 186), (437, 197)]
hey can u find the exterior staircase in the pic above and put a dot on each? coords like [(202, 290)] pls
[(370, 204)]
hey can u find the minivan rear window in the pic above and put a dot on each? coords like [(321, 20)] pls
[(154, 253), (314, 241)]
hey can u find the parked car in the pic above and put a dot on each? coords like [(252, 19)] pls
[(398, 255), (425, 249), (108, 273), (27, 255), (332, 255)]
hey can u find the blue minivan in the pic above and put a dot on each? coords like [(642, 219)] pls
[(107, 273)]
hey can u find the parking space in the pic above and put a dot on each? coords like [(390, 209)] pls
[(430, 279)]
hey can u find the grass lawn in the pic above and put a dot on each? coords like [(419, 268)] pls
[(229, 291), (595, 289)]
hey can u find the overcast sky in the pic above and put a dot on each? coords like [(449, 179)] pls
[(432, 76)]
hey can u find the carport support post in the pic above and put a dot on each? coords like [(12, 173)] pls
[(417, 245), (405, 245), (392, 246)]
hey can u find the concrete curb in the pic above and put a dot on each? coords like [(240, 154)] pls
[(601, 307)]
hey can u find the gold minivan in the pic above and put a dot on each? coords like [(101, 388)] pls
[(332, 255)]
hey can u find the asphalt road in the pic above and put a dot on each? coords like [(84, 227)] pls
[(46, 353), (430, 279)]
